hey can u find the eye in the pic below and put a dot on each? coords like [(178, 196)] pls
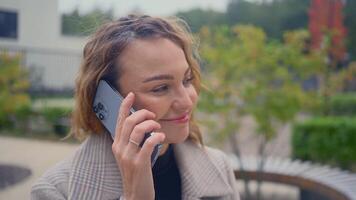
[(160, 89), (188, 81)]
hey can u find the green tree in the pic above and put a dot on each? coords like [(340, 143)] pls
[(77, 24), (350, 23), (274, 17), (247, 75), (197, 18), (13, 86)]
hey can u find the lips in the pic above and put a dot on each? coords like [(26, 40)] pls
[(181, 119)]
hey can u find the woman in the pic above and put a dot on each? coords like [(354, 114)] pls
[(151, 63)]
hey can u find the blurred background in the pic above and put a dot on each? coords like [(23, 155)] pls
[(280, 79)]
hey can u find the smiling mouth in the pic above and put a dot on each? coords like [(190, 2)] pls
[(181, 119)]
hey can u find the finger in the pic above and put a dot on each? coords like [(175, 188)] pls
[(147, 148), (124, 112), (131, 121), (139, 132)]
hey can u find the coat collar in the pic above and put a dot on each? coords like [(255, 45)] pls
[(95, 175), (200, 176)]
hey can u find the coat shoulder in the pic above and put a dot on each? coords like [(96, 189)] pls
[(223, 163), (53, 184), (219, 157)]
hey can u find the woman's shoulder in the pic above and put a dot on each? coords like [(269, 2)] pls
[(217, 155), (196, 162), (53, 184), (224, 164), (195, 152)]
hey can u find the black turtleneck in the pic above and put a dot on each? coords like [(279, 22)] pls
[(166, 177)]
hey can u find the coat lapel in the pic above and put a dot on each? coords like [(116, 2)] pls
[(201, 178), (95, 174)]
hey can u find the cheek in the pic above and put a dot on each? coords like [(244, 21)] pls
[(193, 96), (156, 105)]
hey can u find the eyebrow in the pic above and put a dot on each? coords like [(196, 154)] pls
[(163, 77), (159, 77)]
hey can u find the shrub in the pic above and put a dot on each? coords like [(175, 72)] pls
[(330, 140), (58, 118), (21, 117), (343, 104), (13, 85)]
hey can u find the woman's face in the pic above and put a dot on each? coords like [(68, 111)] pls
[(157, 72)]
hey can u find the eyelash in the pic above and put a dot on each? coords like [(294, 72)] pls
[(164, 88), (160, 89), (188, 80)]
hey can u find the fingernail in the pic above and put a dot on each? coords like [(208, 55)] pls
[(129, 95)]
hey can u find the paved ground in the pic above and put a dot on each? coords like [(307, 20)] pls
[(40, 155), (33, 154)]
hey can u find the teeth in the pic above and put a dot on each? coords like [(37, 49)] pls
[(152, 133)]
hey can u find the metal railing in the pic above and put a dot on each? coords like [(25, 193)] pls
[(50, 70)]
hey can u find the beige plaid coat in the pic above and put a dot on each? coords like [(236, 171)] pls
[(92, 173)]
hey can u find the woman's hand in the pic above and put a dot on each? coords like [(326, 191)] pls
[(135, 162)]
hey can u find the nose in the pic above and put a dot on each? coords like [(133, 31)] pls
[(182, 100)]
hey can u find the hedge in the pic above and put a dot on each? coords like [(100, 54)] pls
[(56, 117), (330, 140), (343, 104)]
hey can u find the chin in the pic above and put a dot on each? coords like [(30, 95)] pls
[(175, 137)]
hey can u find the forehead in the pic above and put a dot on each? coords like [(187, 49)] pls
[(150, 56)]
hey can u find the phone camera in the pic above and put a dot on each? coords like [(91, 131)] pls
[(95, 109), (101, 116), (100, 106)]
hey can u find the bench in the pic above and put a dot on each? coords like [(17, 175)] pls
[(314, 181)]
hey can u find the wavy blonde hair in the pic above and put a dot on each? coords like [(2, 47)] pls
[(100, 58)]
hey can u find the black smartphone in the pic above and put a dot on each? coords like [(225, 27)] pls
[(106, 105)]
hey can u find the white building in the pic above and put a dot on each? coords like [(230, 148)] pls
[(34, 28)]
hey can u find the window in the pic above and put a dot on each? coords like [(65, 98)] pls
[(8, 24)]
